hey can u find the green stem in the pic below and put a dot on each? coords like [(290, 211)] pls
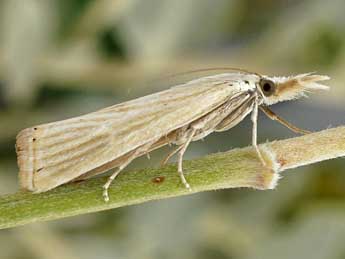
[(235, 168)]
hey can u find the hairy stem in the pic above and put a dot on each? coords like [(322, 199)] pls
[(235, 168)]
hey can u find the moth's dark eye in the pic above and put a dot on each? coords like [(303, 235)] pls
[(267, 87)]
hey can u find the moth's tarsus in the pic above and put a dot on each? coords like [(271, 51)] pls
[(105, 194)]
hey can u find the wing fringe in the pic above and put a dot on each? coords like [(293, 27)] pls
[(25, 154)]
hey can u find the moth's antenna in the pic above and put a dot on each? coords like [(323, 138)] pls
[(213, 69), (204, 70)]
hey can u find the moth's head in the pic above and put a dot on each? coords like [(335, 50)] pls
[(278, 89)]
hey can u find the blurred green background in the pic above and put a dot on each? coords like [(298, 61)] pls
[(64, 58)]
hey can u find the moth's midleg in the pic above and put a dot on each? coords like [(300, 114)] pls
[(254, 118), (180, 158), (273, 116)]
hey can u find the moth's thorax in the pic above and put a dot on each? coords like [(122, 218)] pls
[(244, 82)]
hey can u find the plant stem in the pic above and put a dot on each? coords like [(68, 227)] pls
[(235, 168)]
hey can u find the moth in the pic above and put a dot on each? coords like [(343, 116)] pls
[(78, 148)]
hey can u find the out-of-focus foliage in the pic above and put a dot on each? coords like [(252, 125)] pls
[(64, 58)]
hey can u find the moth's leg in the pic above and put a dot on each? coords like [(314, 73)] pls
[(166, 159), (254, 117), (180, 158), (135, 154), (111, 178), (270, 114)]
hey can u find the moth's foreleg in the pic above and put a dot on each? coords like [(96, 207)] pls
[(254, 118), (270, 114), (180, 158)]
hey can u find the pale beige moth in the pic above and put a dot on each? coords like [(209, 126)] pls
[(55, 153)]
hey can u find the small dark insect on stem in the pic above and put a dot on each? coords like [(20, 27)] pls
[(158, 179)]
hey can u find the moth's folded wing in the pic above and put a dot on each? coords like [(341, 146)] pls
[(55, 153)]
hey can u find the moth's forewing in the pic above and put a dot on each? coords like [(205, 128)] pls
[(55, 153)]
